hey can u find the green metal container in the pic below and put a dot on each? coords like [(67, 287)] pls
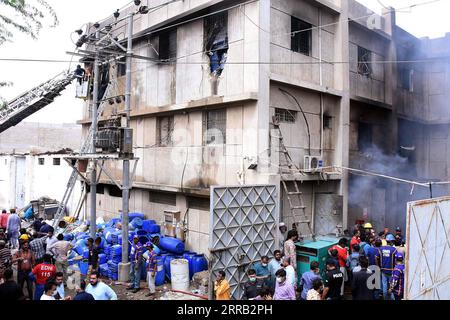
[(309, 251)]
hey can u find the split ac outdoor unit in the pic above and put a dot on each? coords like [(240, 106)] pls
[(312, 164)]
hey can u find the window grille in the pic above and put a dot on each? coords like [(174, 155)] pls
[(165, 128), (286, 116), (163, 198)]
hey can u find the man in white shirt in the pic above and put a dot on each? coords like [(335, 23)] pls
[(49, 290), (60, 250), (51, 239), (291, 277)]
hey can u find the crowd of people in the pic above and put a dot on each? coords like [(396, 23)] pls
[(369, 266), (41, 261)]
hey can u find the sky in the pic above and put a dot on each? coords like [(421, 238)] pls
[(425, 20)]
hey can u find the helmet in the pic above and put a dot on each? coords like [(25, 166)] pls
[(367, 226), (399, 256), (390, 237)]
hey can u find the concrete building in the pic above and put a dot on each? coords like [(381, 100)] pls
[(321, 68)]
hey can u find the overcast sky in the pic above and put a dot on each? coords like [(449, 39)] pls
[(425, 20)]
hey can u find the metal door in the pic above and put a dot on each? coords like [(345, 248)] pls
[(428, 250), (244, 222), (20, 182), (328, 213)]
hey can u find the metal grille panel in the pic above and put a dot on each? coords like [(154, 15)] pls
[(243, 229), (428, 250)]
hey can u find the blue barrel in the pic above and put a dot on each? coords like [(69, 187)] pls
[(167, 261), (102, 258), (134, 215), (154, 228), (136, 223), (172, 245), (161, 274), (80, 245), (199, 263), (131, 235), (148, 225), (190, 257), (141, 232), (84, 268), (131, 226), (108, 234), (68, 237)]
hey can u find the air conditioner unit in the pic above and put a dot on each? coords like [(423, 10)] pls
[(312, 164)]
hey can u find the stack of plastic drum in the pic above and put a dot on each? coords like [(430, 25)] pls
[(189, 256), (102, 259), (199, 263), (80, 245), (134, 215), (180, 274), (161, 274), (104, 270), (172, 245), (113, 263)]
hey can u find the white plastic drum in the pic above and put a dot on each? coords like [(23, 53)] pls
[(179, 270)]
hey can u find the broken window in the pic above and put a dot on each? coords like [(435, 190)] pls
[(216, 41), (215, 125), (122, 67), (327, 122), (364, 136), (56, 161), (301, 36), (406, 78), (286, 116), (114, 191), (41, 161), (100, 189), (163, 198), (165, 128), (364, 62), (168, 45)]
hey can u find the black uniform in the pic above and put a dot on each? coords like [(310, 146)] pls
[(10, 291), (252, 289), (360, 289), (333, 281)]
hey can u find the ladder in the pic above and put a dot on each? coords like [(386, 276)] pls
[(34, 100), (86, 148), (297, 208)]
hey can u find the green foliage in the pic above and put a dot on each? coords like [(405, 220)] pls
[(25, 16)]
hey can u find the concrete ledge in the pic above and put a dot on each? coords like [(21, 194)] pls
[(335, 176), (371, 102), (305, 85), (205, 103)]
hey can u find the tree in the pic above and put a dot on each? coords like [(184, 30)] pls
[(24, 16)]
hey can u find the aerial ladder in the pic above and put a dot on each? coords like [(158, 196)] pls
[(33, 100)]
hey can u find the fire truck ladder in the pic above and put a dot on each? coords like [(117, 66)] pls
[(86, 148), (34, 100), (297, 208)]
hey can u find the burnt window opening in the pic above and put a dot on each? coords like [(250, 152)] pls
[(285, 116), (216, 41), (56, 161), (122, 67), (164, 134), (406, 79), (215, 127), (198, 203), (301, 36), (364, 62), (100, 189), (364, 136), (41, 161), (327, 122), (168, 45), (163, 198), (114, 191)]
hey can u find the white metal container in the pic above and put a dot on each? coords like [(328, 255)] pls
[(179, 269)]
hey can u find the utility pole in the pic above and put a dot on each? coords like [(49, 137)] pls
[(93, 216), (124, 267)]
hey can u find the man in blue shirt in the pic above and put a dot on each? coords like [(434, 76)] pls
[(136, 259), (262, 270), (397, 285), (306, 282), (99, 290), (274, 266), (387, 263), (373, 253)]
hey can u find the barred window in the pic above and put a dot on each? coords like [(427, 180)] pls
[(364, 62), (215, 125), (165, 128), (301, 36), (286, 116), (56, 161), (41, 161)]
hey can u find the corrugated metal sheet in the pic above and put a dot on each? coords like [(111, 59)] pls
[(428, 250)]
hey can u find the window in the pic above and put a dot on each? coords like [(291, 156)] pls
[(164, 133), (286, 116), (215, 126), (41, 161), (56, 161), (168, 45), (114, 191), (364, 62), (327, 122), (364, 136), (301, 36), (100, 189), (406, 79), (198, 203), (216, 31), (163, 198), (122, 67)]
